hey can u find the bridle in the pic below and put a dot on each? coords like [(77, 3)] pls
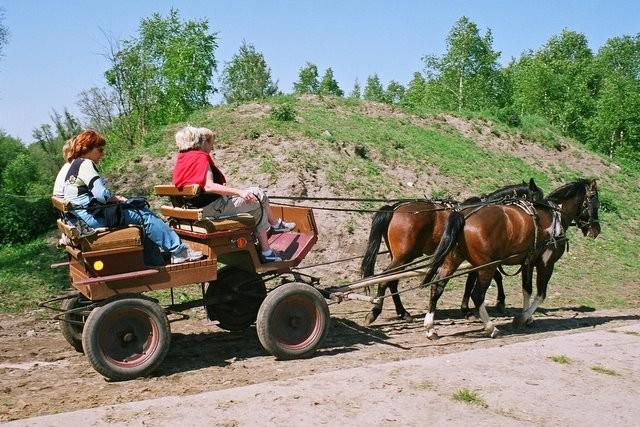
[(589, 204)]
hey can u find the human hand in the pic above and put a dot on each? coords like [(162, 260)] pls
[(247, 195), (117, 199)]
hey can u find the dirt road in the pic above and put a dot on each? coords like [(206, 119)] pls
[(593, 380), (41, 374)]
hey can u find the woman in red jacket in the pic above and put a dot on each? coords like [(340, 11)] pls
[(195, 165)]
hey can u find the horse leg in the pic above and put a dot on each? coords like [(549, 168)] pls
[(542, 280), (450, 265), (500, 303), (478, 296), (400, 310), (472, 279), (377, 306), (527, 289)]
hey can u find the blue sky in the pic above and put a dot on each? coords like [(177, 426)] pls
[(55, 47)]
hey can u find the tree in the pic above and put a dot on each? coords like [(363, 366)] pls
[(10, 148), (307, 80), (247, 77), (329, 85), (557, 82), (100, 107), (415, 93), (165, 73), (18, 174), (4, 32), (467, 76), (355, 92), (615, 124), (373, 90), (394, 93)]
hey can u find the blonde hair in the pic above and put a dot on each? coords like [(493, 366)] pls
[(188, 138), (67, 149), (206, 135)]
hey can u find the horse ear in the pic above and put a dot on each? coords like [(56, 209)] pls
[(593, 185), (532, 184)]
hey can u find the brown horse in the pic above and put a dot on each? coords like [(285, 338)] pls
[(414, 228), (509, 235)]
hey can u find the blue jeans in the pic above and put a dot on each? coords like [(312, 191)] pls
[(157, 233)]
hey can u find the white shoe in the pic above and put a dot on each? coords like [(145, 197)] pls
[(283, 227), (186, 255)]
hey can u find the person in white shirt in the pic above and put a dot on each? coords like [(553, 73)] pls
[(58, 186)]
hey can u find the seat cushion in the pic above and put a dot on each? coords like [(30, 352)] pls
[(103, 239), (211, 226)]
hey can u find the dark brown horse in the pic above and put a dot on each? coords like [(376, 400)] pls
[(509, 235), (415, 228)]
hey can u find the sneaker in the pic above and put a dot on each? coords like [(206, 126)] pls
[(185, 255), (270, 257), (283, 227)]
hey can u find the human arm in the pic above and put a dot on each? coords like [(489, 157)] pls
[(212, 187)]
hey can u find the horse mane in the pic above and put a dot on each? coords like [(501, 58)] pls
[(568, 190), (506, 191)]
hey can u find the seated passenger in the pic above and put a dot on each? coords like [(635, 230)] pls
[(195, 165), (58, 186), (85, 190)]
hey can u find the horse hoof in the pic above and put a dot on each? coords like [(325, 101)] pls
[(529, 321), (371, 317), (495, 333), (407, 317), (471, 316), (518, 321), (500, 307), (432, 335)]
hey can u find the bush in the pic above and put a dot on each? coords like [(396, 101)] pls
[(509, 116), (23, 219), (283, 113)]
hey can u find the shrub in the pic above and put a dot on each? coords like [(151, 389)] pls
[(509, 116), (22, 219), (283, 113)]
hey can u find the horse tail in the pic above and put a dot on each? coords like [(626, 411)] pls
[(455, 223), (379, 226)]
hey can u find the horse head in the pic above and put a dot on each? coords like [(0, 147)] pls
[(587, 219)]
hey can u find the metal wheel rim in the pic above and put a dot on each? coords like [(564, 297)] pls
[(128, 338), (296, 323)]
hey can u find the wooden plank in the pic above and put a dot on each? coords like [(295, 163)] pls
[(171, 190), (116, 277)]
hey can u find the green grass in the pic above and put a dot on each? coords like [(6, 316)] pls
[(561, 359), (469, 397), (606, 371), (26, 277)]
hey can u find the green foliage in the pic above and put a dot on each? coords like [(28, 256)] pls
[(163, 74), (10, 148), (18, 174), (394, 93), (606, 371), (307, 80), (356, 91), (329, 85), (469, 396), (24, 218), (467, 76), (415, 93), (557, 82), (247, 77), (284, 112), (561, 359), (373, 90), (26, 277)]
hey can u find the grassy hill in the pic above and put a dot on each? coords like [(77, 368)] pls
[(340, 147)]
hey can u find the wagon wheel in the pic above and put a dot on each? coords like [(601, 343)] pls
[(71, 331), (126, 338), (240, 294), (293, 321)]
